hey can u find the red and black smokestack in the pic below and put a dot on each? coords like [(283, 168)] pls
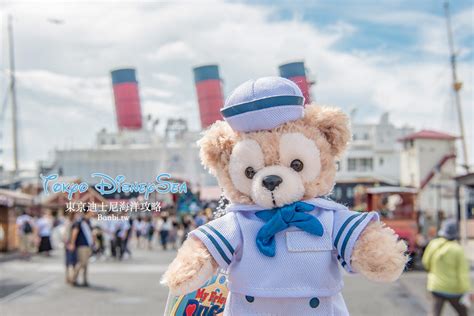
[(209, 93), (296, 72), (127, 99)]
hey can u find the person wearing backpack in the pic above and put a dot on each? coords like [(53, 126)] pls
[(24, 224), (448, 269)]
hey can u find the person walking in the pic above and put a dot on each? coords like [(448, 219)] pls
[(82, 242), (98, 236), (44, 225), (165, 226), (70, 255), (111, 227), (448, 269), (173, 234), (200, 219), (138, 226), (149, 228), (124, 233), (24, 224), (188, 225)]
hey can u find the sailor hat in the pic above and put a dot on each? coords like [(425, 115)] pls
[(263, 104)]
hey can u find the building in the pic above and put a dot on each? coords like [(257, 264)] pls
[(139, 155), (428, 163), (373, 158), (11, 204)]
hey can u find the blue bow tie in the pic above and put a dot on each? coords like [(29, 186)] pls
[(280, 218)]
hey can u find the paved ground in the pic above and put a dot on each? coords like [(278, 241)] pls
[(131, 287)]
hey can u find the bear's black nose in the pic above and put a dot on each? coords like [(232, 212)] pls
[(271, 182)]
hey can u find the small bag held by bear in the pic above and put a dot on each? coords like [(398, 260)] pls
[(208, 300), (281, 241)]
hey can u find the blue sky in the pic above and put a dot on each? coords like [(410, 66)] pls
[(370, 34), (391, 56)]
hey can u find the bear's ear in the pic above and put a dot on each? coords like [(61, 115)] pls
[(332, 123), (216, 146)]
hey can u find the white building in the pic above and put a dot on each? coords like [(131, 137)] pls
[(139, 155), (374, 152), (372, 158), (428, 163)]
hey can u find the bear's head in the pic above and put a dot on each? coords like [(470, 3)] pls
[(290, 162)]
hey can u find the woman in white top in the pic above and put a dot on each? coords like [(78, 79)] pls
[(44, 225)]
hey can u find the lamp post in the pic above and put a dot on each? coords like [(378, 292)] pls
[(457, 85), (12, 90)]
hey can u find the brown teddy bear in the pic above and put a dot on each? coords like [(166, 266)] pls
[(281, 241)]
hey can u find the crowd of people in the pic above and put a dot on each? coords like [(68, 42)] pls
[(83, 235)]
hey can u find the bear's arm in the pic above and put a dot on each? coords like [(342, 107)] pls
[(378, 254), (208, 247), (366, 246), (191, 268)]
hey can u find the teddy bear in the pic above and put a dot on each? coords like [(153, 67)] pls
[(282, 242)]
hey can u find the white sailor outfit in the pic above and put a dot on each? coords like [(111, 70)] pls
[(304, 276)]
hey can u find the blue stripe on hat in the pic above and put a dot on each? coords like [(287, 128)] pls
[(262, 104), (216, 244)]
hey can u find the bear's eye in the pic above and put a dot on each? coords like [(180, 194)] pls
[(297, 165), (249, 172)]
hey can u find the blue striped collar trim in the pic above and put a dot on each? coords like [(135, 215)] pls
[(262, 104)]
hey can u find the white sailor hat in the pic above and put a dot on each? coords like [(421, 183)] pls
[(263, 104)]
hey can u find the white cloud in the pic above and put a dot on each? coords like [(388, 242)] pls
[(172, 51), (64, 69), (153, 93), (92, 91), (167, 79), (434, 33)]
